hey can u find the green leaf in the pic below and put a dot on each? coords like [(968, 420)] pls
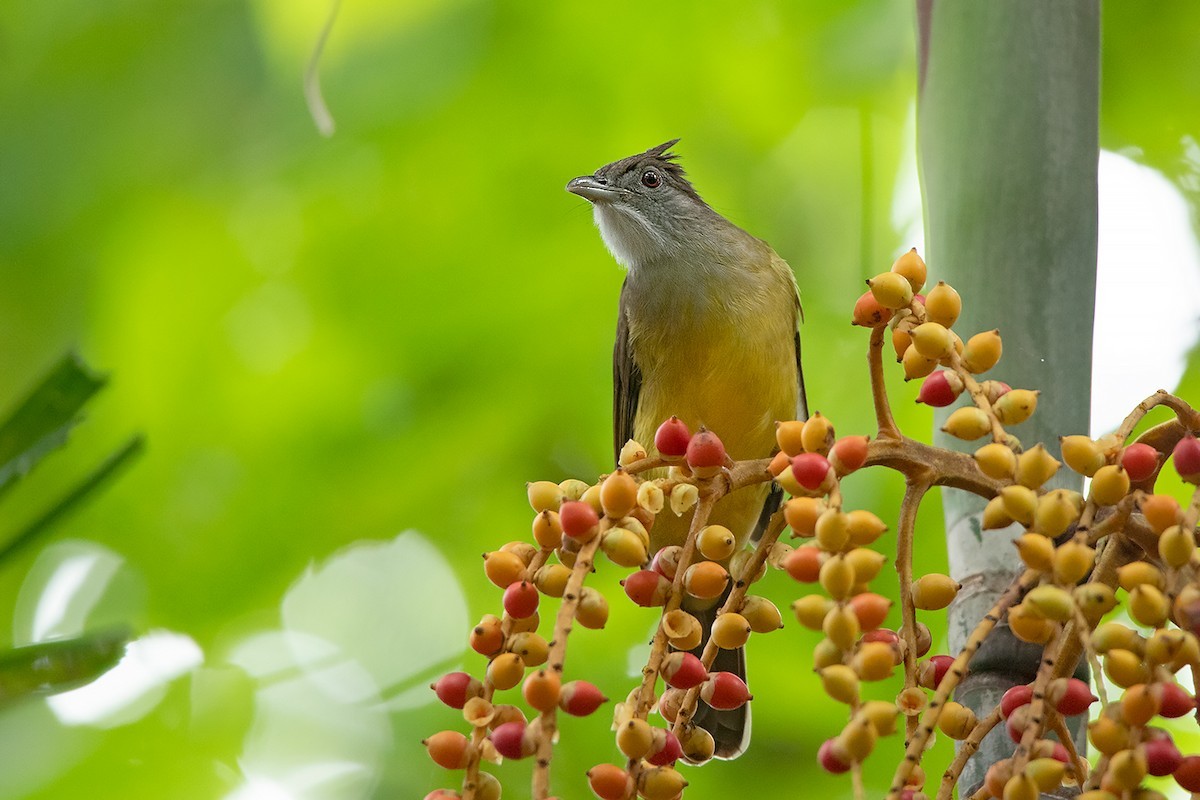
[(51, 667), (40, 424), (127, 452)]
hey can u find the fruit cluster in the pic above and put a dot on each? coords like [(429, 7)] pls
[(1083, 556)]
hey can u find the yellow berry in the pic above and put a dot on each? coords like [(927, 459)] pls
[(956, 720), (802, 513), (932, 340), (762, 615), (881, 714), (995, 515), (841, 627), (832, 529), (592, 611), (789, 437), (1072, 561), (916, 365), (624, 548), (912, 267), (1108, 735), (934, 591), (531, 647), (716, 542), (826, 654), (506, 670), (1148, 605), (1109, 485), (891, 290), (1051, 602), (874, 661), (857, 739), (841, 683), (863, 527), (817, 436), (1176, 546), (1016, 406), (635, 738), (811, 609), (982, 352), (1036, 551), (1137, 573), (943, 305), (1030, 625), (837, 577), (547, 529), (866, 563), (1035, 466), (968, 423), (1094, 600), (1125, 668), (1047, 773), (1081, 454), (996, 461), (1055, 512), (730, 631), (1020, 502), (544, 495)]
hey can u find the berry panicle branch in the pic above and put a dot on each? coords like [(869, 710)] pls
[(1122, 544)]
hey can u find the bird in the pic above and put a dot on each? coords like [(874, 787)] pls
[(708, 331)]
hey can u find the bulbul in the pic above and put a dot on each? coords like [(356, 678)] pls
[(706, 331)]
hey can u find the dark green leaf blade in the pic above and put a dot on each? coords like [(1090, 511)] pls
[(40, 424), (110, 466), (57, 666)]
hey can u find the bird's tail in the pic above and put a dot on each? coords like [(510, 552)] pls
[(730, 729)]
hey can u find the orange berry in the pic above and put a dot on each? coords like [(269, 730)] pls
[(448, 749), (610, 782), (503, 567), (488, 636), (542, 690), (705, 580), (618, 494), (1161, 511)]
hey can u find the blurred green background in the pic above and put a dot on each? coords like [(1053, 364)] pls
[(349, 354)]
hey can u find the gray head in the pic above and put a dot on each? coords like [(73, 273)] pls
[(644, 206)]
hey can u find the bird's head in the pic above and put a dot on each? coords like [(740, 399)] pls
[(645, 207)]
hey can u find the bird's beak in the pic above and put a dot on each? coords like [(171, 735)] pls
[(591, 189)]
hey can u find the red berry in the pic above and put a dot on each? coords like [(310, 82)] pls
[(885, 635), (725, 691), (941, 665), (1140, 461), (683, 670), (521, 600), (1014, 698), (1162, 756), (647, 588), (938, 390), (1059, 753), (1187, 774), (705, 451), (580, 698), (672, 437), (665, 562), (577, 518), (810, 469), (1076, 699), (1175, 701), (456, 688), (509, 739), (670, 751), (831, 761), (1187, 458)]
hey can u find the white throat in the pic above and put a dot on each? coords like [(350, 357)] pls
[(630, 239)]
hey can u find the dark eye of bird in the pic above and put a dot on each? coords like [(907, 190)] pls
[(650, 179)]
